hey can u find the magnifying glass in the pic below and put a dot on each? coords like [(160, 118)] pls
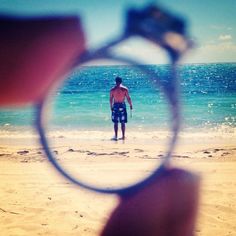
[(152, 24)]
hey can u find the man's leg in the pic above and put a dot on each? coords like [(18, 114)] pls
[(116, 129), (123, 130)]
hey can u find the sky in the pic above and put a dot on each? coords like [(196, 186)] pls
[(211, 23)]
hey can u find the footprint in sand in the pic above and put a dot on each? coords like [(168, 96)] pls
[(23, 152), (225, 154), (206, 152), (138, 150), (119, 153), (71, 150)]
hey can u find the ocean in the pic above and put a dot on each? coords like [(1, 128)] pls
[(207, 92)]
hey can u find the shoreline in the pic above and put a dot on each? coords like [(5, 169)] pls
[(162, 137)]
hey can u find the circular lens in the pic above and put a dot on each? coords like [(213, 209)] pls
[(77, 128)]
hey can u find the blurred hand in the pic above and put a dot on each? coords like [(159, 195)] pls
[(34, 53), (165, 207)]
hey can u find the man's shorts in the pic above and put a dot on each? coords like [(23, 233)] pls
[(119, 113)]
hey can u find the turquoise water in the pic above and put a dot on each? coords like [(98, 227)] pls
[(208, 96)]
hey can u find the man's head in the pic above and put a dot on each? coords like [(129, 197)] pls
[(118, 80)]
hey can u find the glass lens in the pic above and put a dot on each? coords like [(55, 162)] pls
[(81, 134)]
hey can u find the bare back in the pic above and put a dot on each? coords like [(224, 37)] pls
[(119, 93)]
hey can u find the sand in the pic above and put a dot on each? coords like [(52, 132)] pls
[(35, 200)]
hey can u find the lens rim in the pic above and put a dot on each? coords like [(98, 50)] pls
[(172, 98)]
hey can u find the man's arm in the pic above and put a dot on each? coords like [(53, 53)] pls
[(129, 99), (111, 99)]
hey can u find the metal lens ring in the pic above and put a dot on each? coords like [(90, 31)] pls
[(171, 96)]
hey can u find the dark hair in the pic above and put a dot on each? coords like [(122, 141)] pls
[(118, 80)]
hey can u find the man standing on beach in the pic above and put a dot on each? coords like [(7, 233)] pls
[(118, 107)]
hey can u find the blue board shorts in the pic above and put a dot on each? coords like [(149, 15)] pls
[(119, 113)]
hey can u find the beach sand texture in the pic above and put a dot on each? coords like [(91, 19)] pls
[(35, 200)]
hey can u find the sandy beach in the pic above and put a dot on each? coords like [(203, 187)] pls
[(35, 200)]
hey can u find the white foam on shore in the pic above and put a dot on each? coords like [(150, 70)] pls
[(29, 137), (101, 134)]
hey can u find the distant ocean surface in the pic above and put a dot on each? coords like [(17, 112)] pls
[(208, 97)]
